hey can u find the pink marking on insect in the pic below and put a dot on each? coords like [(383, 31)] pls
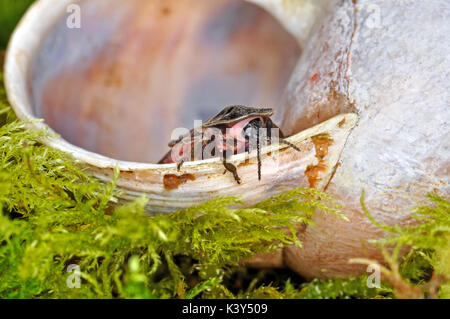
[(235, 134)]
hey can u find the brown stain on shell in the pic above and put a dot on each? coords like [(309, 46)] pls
[(172, 181), (313, 172), (245, 163)]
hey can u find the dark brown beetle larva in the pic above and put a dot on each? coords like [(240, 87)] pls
[(238, 124)]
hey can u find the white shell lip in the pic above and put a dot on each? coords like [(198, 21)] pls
[(23, 45), (210, 181)]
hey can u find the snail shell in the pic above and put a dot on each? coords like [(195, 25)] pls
[(63, 66), (374, 58)]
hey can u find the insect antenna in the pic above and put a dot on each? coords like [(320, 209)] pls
[(282, 141)]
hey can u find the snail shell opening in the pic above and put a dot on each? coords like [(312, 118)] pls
[(115, 89), (136, 70)]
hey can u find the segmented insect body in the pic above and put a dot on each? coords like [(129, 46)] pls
[(233, 130)]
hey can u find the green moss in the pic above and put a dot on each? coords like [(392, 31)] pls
[(424, 272), (10, 13), (55, 215), (342, 289), (427, 265)]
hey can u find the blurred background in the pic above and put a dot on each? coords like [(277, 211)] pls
[(10, 13)]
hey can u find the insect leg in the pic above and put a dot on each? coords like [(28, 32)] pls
[(258, 149), (231, 168), (180, 163), (269, 127), (174, 142)]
